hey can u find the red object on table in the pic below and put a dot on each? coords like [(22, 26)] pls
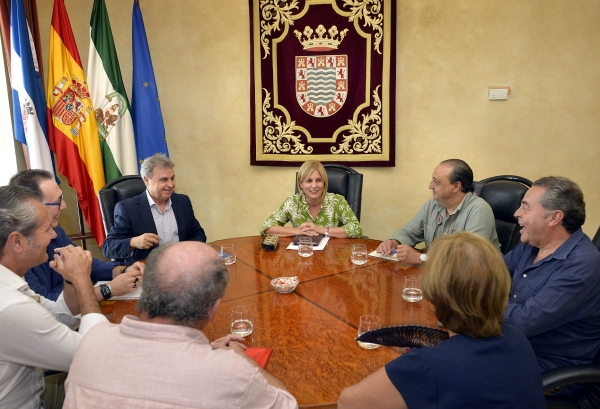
[(327, 304), (260, 355)]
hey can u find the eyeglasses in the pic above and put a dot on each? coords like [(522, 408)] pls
[(60, 200)]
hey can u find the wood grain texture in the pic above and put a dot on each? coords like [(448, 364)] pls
[(312, 330)]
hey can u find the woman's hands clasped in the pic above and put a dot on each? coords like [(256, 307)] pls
[(311, 229)]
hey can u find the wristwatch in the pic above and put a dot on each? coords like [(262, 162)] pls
[(423, 257), (327, 232), (106, 291)]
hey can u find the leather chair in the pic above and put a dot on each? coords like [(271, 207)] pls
[(589, 375), (344, 181), (596, 239), (115, 191), (504, 194)]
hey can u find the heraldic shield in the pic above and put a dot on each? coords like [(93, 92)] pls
[(69, 105), (323, 82)]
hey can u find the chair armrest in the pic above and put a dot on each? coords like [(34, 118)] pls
[(571, 374)]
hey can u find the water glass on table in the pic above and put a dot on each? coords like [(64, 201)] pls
[(228, 254), (305, 246), (241, 321), (359, 254), (411, 291), (368, 323)]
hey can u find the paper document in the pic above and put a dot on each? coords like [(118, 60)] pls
[(131, 296), (392, 257), (321, 245)]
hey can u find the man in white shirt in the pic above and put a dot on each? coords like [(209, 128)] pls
[(36, 332)]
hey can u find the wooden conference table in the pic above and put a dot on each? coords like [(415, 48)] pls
[(312, 330)]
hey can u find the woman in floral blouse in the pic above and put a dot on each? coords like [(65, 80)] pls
[(313, 211)]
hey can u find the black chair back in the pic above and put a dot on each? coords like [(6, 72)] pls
[(585, 375), (115, 191), (596, 239), (504, 194), (344, 181)]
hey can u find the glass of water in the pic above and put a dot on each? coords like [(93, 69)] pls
[(241, 320), (359, 253), (411, 291), (368, 323), (228, 254), (305, 246)]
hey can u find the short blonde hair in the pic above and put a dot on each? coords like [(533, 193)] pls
[(305, 171), (466, 280)]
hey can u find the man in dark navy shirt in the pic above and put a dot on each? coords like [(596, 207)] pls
[(555, 276), (44, 280)]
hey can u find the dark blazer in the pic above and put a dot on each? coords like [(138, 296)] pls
[(133, 217)]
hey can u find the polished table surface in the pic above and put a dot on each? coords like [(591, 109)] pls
[(312, 330)]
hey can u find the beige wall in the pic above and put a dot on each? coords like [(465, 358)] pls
[(448, 53)]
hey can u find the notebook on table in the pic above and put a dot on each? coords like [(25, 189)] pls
[(315, 239)]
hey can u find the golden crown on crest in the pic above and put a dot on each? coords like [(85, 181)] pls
[(320, 42)]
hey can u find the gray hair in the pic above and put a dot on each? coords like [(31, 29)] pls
[(185, 300), (565, 195), (17, 213), (157, 161), (31, 179)]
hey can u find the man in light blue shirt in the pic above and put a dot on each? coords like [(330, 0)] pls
[(453, 208)]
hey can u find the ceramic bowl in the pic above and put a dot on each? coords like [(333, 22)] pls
[(285, 285)]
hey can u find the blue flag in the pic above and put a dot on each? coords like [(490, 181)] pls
[(29, 103), (147, 118)]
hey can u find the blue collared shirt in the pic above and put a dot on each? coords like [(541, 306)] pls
[(556, 301), (165, 222), (47, 282)]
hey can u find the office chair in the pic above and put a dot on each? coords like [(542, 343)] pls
[(344, 181), (589, 375), (596, 239), (115, 191), (504, 194)]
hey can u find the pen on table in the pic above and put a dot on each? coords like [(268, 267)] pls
[(391, 252)]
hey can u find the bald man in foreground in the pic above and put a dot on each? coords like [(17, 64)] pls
[(169, 361)]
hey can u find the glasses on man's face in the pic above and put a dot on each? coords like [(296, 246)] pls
[(60, 200)]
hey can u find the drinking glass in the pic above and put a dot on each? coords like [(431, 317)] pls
[(241, 320), (228, 254), (411, 291), (359, 254), (305, 246), (368, 323)]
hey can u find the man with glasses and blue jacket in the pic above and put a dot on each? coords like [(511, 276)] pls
[(44, 280)]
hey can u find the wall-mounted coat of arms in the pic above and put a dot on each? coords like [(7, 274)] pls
[(323, 82)]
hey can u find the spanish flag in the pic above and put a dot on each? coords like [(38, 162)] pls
[(72, 129)]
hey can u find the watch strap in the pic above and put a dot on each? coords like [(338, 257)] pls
[(106, 291)]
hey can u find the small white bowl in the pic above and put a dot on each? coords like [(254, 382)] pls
[(284, 285)]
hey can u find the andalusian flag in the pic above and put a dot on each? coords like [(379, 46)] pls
[(29, 103), (145, 105), (109, 99), (72, 129)]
